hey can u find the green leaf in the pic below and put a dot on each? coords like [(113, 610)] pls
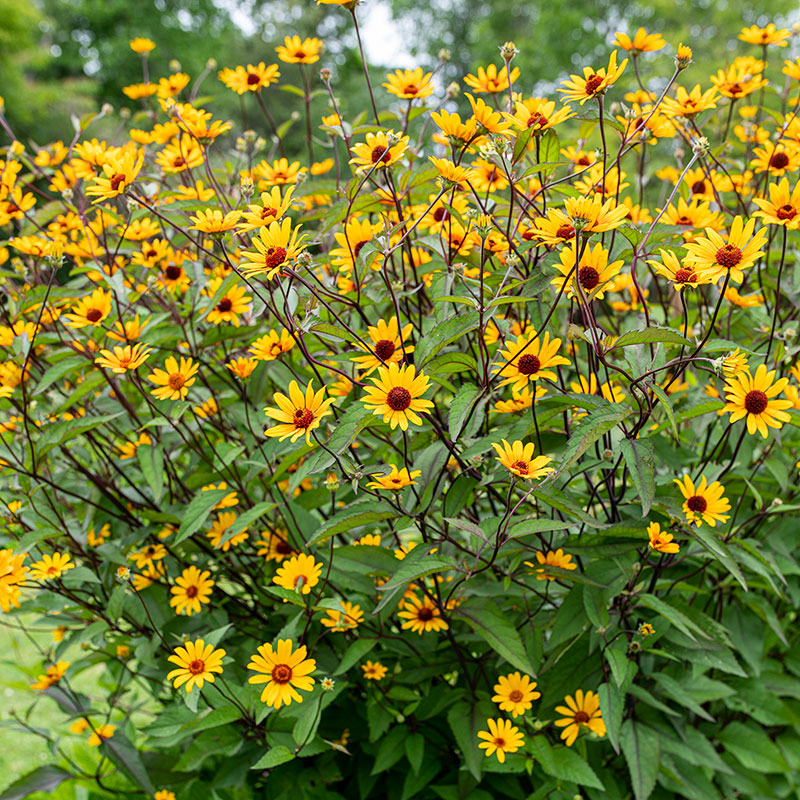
[(460, 408), (719, 550), (349, 518), (529, 526), (244, 520), (612, 704), (465, 721), (415, 751), (563, 763), (650, 335), (675, 617), (126, 757), (43, 779), (490, 623), (659, 392), (672, 688), (640, 459), (391, 749), (411, 572), (641, 748), (197, 512), (151, 462), (274, 757), (552, 496), (450, 330), (753, 748), (588, 431), (354, 653)]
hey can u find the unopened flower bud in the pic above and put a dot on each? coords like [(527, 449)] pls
[(246, 186), (683, 57), (325, 74), (453, 90), (701, 146), (332, 482), (508, 51), (107, 109), (211, 64), (175, 65), (445, 54)]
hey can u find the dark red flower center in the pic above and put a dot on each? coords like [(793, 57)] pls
[(698, 187), (583, 161), (779, 161), (173, 272), (303, 417), (176, 381), (252, 79), (197, 667), (735, 88), (697, 503), (268, 211), (593, 83), (225, 304), (398, 398), (729, 256), (538, 119), (683, 221), (116, 181), (520, 466), (357, 248), (380, 153), (756, 402), (528, 364), (384, 349), (274, 256), (425, 614), (685, 276), (582, 717), (515, 696), (281, 673), (565, 232), (191, 591), (588, 277), (283, 547), (179, 162), (151, 253), (786, 212), (94, 314), (410, 89), (441, 213)]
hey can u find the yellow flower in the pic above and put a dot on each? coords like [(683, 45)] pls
[(704, 502), (346, 619), (776, 158), (128, 450), (197, 662), (90, 310), (250, 79), (138, 91), (454, 131), (765, 36), (298, 414), (51, 567), (515, 693), (369, 540), (124, 358), (582, 711), (284, 671), (96, 538), (279, 172), (743, 301), (593, 83), (297, 51), (739, 80), (142, 45), (646, 629), (783, 206), (272, 208), (520, 400), (242, 367), (379, 151), (486, 119), (538, 115), (501, 738), (276, 247), (229, 306), (409, 84), (755, 398), (421, 615), (174, 381), (642, 42), (164, 794), (52, 675), (271, 345), (212, 220), (79, 726), (716, 257), (275, 547), (451, 174), (680, 275), (518, 459), (593, 272), (687, 104), (388, 346), (592, 215), (491, 79), (298, 574), (180, 154), (395, 479), (661, 540), (219, 528), (530, 358), (734, 364), (120, 172), (357, 233), (397, 396), (149, 554), (553, 558), (192, 591), (373, 670), (101, 733)]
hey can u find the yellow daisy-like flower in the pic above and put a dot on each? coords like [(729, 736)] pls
[(776, 158), (717, 257), (298, 574), (451, 174), (124, 358), (51, 567), (219, 528), (298, 414), (593, 272), (454, 131), (373, 670), (345, 620), (276, 246), (661, 540), (297, 51), (520, 400), (421, 615), (235, 301), (491, 79), (592, 215), (119, 173), (253, 78), (141, 45), (275, 547), (271, 209), (501, 738), (593, 83), (191, 592), (197, 662), (755, 398), (380, 150), (409, 84), (733, 364), (581, 712), (128, 450), (279, 173), (212, 220), (174, 380), (704, 502), (530, 358), (284, 671), (369, 540), (783, 206), (680, 275), (397, 395), (646, 629), (395, 479), (90, 310), (538, 115), (53, 674), (518, 459), (553, 558), (149, 554), (486, 118), (687, 104), (242, 367), (101, 733), (765, 36), (388, 346), (164, 794), (515, 693), (271, 345), (357, 233), (642, 42), (138, 91)]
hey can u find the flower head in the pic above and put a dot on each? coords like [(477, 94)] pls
[(197, 662), (395, 479), (299, 413), (124, 358), (373, 670), (717, 257), (284, 671), (299, 573), (704, 502), (380, 150), (755, 398), (518, 459), (515, 693), (397, 395), (501, 738), (553, 558), (581, 712), (191, 591), (421, 615), (409, 84), (529, 358), (661, 540), (593, 83), (174, 380), (51, 566), (276, 246)]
